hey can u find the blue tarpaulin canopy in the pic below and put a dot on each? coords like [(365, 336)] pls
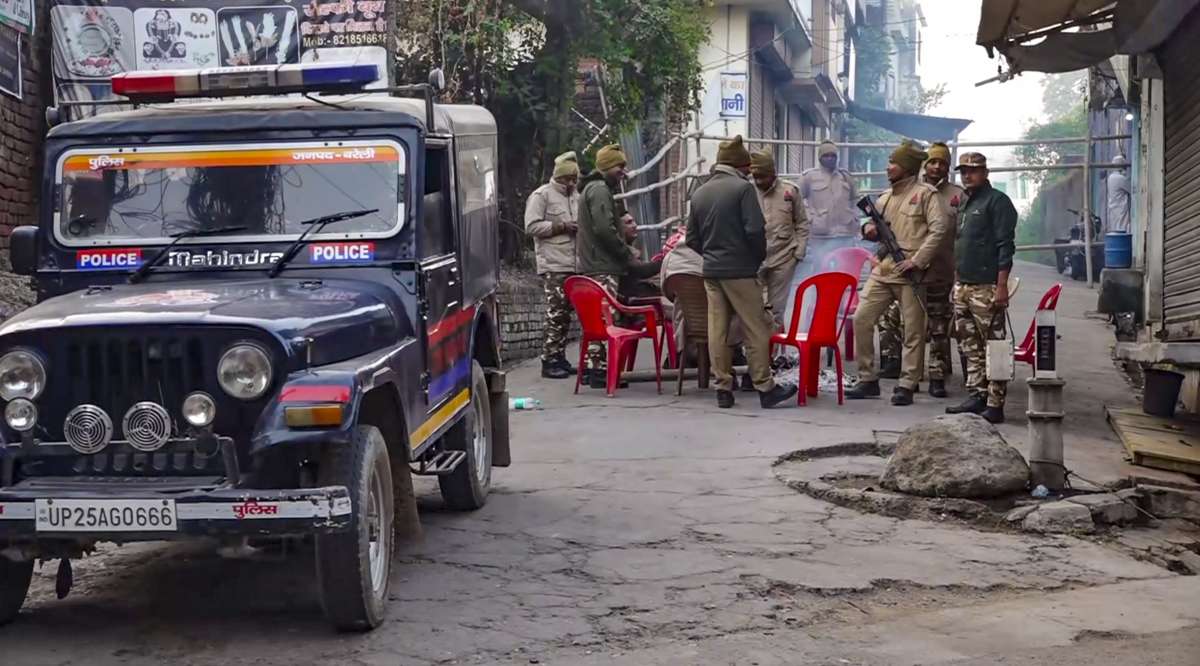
[(912, 125)]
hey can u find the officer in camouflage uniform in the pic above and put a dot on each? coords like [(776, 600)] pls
[(551, 216), (602, 252), (939, 282), (984, 257)]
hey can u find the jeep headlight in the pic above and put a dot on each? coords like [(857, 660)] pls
[(22, 375), (244, 371)]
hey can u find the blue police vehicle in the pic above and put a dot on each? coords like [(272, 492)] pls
[(267, 297)]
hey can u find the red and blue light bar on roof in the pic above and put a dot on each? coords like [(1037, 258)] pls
[(229, 81)]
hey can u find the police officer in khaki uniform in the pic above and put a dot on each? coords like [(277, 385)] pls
[(939, 283), (912, 211), (787, 232), (984, 248), (551, 218)]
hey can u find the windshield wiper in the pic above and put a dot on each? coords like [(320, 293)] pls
[(315, 226), (145, 269)]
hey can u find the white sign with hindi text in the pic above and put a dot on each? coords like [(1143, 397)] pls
[(735, 95)]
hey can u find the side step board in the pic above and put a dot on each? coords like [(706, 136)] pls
[(440, 464)]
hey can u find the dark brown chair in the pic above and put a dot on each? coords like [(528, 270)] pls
[(687, 293)]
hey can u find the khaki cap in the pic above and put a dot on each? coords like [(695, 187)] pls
[(970, 161)]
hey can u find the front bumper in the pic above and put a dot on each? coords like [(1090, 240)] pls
[(205, 510)]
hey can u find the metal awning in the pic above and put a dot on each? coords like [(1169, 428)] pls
[(1067, 35), (911, 125)]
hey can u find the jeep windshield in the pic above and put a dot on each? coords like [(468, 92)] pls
[(147, 195)]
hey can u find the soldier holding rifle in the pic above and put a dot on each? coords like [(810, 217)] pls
[(911, 211)]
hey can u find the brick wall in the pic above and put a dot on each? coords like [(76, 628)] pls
[(522, 316), (22, 128)]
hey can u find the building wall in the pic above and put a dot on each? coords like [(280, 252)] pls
[(729, 40), (22, 129)]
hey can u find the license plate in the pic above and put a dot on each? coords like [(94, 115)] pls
[(69, 515)]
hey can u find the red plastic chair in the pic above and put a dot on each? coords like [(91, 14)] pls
[(828, 323), (594, 306), (850, 260), (1025, 352), (668, 326)]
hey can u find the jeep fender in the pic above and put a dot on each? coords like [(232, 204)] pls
[(347, 383)]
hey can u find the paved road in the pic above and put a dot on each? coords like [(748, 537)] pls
[(650, 529)]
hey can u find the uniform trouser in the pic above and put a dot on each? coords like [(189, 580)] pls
[(779, 290), (875, 299), (741, 297), (940, 311), (558, 316), (597, 352), (978, 321)]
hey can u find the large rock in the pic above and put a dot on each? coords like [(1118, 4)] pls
[(955, 456)]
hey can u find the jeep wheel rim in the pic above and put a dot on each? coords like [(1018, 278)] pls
[(378, 535), (479, 443)]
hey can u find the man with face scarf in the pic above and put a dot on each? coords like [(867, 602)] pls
[(551, 218), (912, 210)]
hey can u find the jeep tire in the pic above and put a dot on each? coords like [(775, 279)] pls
[(353, 566), (14, 585), (466, 489)]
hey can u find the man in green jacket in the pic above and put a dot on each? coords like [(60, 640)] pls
[(726, 228), (603, 253), (983, 253)]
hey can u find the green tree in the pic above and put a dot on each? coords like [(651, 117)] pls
[(520, 59)]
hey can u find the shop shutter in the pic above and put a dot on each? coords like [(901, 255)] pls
[(1181, 198)]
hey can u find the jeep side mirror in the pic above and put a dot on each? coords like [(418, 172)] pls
[(437, 80), (23, 249)]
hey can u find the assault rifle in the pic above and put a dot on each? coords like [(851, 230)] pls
[(888, 245)]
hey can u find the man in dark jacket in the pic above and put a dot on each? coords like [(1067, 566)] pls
[(983, 252), (603, 253), (726, 228)]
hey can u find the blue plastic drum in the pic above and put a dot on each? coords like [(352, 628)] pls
[(1118, 250)]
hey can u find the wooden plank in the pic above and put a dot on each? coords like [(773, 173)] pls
[(1151, 441)]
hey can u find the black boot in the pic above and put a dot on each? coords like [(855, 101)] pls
[(890, 368), (937, 388), (863, 390), (747, 384), (566, 365), (552, 370), (994, 414), (776, 396), (902, 397), (976, 404), (724, 399), (598, 379)]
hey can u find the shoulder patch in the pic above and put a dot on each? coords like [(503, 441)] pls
[(956, 201), (916, 199)]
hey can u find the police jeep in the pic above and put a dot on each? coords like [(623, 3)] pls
[(257, 318)]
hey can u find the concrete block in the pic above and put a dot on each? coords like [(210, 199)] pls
[(1166, 502), (1060, 517), (1018, 514), (1107, 508)]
